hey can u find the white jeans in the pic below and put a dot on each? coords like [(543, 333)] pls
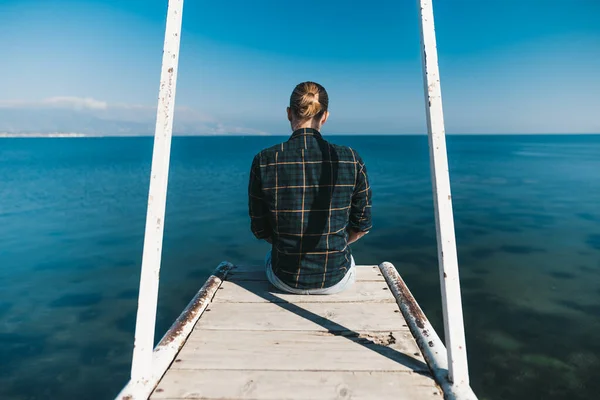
[(342, 285)]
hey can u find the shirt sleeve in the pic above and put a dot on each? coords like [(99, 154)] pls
[(259, 214), (360, 207)]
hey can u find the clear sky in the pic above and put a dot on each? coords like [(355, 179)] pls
[(507, 66)]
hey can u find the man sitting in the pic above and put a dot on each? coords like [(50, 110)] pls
[(310, 199)]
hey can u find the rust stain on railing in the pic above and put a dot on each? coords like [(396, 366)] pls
[(204, 296), (410, 305), (170, 344), (431, 346)]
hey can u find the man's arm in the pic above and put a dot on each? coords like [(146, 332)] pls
[(259, 214), (360, 222)]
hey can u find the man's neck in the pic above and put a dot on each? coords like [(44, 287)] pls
[(308, 124)]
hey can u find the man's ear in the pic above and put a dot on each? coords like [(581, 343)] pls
[(289, 114)]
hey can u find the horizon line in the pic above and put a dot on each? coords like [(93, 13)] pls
[(57, 135)]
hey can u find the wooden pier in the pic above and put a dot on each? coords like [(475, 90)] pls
[(239, 339), (252, 342)]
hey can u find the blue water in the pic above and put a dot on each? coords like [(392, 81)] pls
[(72, 213)]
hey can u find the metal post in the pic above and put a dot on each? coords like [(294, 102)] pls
[(141, 366), (458, 372)]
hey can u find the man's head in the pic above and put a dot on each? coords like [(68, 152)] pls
[(308, 106)]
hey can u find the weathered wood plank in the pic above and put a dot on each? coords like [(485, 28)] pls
[(300, 350), (262, 291), (307, 316), (294, 385), (257, 273), (255, 343)]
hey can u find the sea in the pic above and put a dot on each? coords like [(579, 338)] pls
[(72, 216)]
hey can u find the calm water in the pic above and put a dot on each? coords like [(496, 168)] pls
[(72, 214)]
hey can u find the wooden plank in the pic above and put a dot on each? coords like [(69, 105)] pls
[(295, 385), (262, 291), (247, 268), (257, 273), (300, 351), (307, 316)]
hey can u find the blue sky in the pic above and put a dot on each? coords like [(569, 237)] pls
[(507, 66)]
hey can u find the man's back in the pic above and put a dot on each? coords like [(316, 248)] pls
[(304, 195)]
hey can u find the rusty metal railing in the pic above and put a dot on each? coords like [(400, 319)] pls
[(458, 372), (430, 344), (141, 366), (166, 350)]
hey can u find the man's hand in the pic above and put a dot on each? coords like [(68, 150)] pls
[(354, 235)]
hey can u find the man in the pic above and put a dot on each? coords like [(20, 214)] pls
[(310, 199)]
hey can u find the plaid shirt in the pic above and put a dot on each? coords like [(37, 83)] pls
[(304, 194)]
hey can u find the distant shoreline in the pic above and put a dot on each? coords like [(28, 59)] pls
[(83, 135)]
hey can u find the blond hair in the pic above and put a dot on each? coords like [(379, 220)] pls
[(309, 100)]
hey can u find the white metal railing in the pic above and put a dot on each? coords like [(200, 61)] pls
[(141, 366), (458, 372), (142, 363)]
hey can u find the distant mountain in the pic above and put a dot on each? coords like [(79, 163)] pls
[(107, 121), (24, 121)]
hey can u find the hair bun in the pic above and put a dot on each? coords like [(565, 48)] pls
[(306, 100), (309, 105)]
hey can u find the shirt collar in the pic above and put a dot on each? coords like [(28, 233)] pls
[(306, 132)]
